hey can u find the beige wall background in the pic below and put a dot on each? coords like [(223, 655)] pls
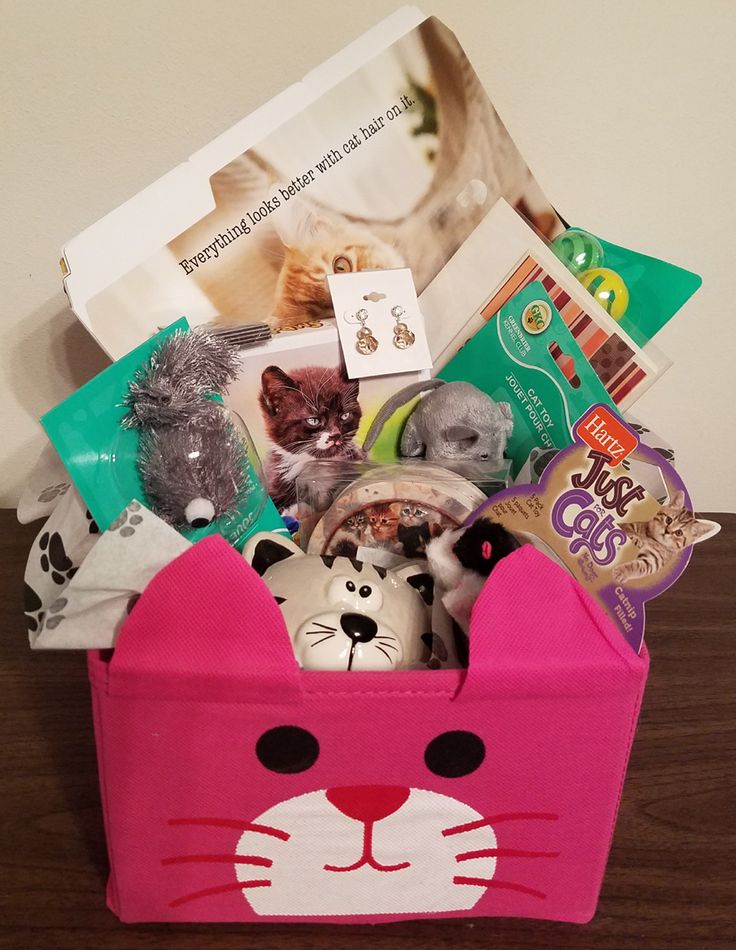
[(625, 112)]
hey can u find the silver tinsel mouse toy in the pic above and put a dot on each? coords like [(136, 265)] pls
[(192, 459)]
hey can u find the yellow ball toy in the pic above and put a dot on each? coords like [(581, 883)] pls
[(608, 288)]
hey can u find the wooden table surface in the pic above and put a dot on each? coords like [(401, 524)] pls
[(670, 878)]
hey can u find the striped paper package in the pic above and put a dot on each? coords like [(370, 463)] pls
[(623, 367)]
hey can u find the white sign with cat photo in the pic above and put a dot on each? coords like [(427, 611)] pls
[(388, 155), (380, 325)]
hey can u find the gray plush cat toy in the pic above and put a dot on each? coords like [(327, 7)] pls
[(454, 421), (192, 460)]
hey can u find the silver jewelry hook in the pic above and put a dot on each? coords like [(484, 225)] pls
[(361, 317)]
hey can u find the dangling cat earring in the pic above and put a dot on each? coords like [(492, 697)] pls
[(366, 343), (403, 337)]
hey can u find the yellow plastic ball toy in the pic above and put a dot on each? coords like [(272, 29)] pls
[(608, 288)]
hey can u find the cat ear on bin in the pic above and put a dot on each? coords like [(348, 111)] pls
[(678, 499), (534, 630), (206, 628), (267, 548)]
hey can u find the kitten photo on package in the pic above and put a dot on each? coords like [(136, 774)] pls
[(299, 406)]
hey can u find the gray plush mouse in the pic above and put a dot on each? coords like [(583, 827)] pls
[(454, 421)]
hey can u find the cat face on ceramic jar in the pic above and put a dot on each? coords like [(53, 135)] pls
[(343, 614)]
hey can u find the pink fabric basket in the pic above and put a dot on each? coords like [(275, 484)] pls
[(238, 788)]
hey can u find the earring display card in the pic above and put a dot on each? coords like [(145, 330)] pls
[(380, 325)]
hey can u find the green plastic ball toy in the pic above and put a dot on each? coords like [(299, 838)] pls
[(608, 288), (578, 250)]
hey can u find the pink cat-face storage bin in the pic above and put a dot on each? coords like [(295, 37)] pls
[(238, 788)]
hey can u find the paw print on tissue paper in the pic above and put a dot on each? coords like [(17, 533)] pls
[(127, 521), (54, 559)]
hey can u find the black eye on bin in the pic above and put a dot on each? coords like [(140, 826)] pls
[(287, 750), (350, 586), (453, 754), (365, 591)]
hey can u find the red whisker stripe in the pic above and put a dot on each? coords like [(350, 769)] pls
[(224, 858), (502, 885), (232, 823), (505, 853), (222, 889), (495, 819)]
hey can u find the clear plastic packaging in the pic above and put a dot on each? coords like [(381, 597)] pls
[(384, 513)]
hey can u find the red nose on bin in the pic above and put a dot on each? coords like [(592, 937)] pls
[(367, 803)]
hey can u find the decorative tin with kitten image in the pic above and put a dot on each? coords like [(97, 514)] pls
[(386, 512)]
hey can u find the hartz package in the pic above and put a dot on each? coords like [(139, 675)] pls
[(613, 513)]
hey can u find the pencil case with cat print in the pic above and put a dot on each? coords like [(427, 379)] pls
[(238, 787)]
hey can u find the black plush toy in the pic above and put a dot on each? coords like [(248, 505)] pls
[(461, 560)]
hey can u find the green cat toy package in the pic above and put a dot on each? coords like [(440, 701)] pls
[(612, 512), (526, 356), (153, 426)]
